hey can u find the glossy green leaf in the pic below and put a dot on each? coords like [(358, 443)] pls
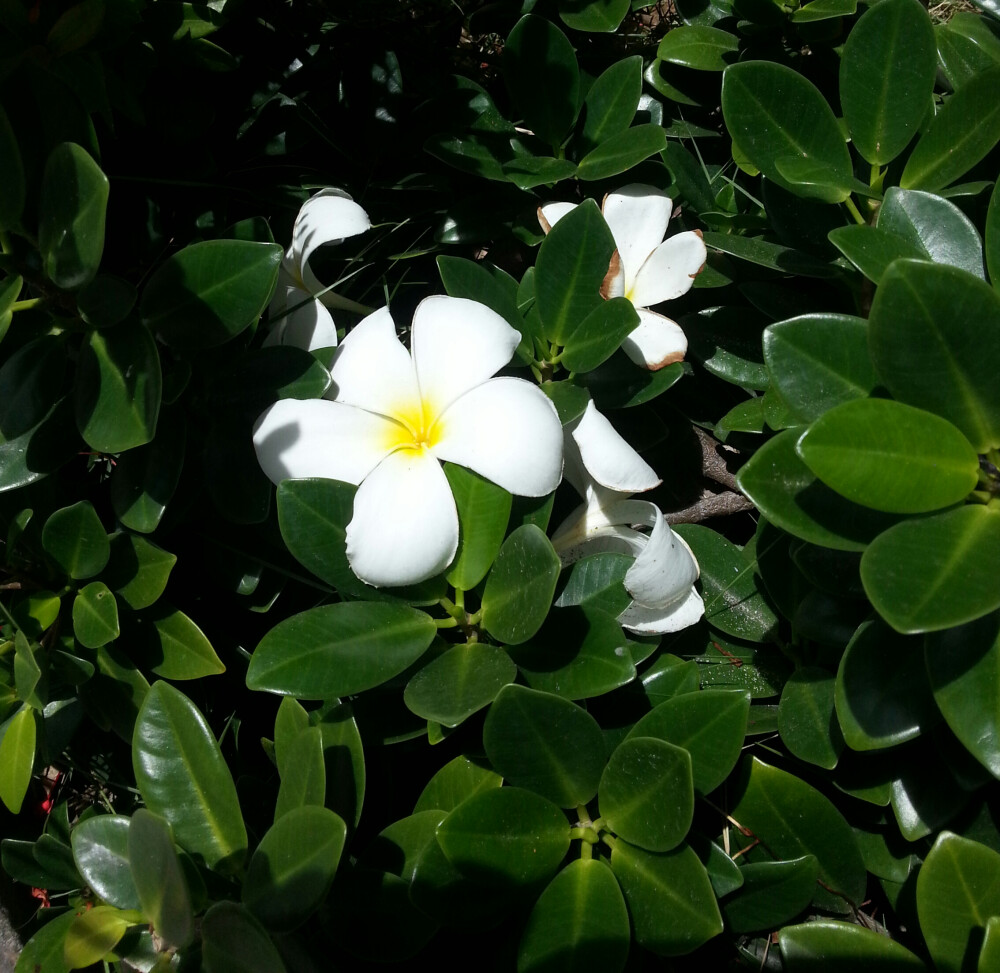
[(726, 342), (771, 894), (958, 890), (100, 850), (159, 878), (610, 104), (95, 615), (872, 250), (459, 683), (29, 678), (993, 236), (710, 725), (209, 292), (17, 757), (669, 897), (538, 57), (963, 664), (579, 924), (345, 759), (886, 78), (646, 793), (529, 171), (818, 361), (118, 388), (924, 793), (989, 956), (338, 650), (959, 136), (505, 837), (290, 720), (599, 334), (92, 935), (793, 819), (793, 498), (75, 539), (292, 868), (621, 152), (182, 776), (44, 951), (700, 47), (601, 16), (929, 574), (597, 580), (116, 692), (303, 772), (519, 589), (483, 511), (546, 744), (828, 946), (774, 113), (823, 10), (766, 253), (806, 718), (889, 456), (73, 200), (172, 646), (882, 697), (234, 942), (137, 570), (457, 780)]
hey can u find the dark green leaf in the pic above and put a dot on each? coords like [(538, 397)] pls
[(100, 850), (593, 15), (457, 780), (17, 757), (172, 646), (823, 10), (344, 758), (828, 946), (95, 615), (599, 334), (137, 569), (303, 772), (766, 253), (807, 721), (993, 236), (871, 250), (44, 951), (771, 894), (75, 539), (704, 48), (105, 301), (234, 942), (483, 511), (726, 341), (529, 171), (621, 152), (611, 102)]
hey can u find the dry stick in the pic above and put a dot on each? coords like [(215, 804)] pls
[(710, 503)]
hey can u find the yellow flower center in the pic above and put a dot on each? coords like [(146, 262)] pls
[(415, 427)]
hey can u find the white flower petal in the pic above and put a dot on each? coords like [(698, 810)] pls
[(607, 457), (656, 342), (669, 271), (581, 534), (328, 217), (299, 438), (405, 526), (552, 213), (508, 431), (372, 370), (660, 621), (309, 327), (665, 570), (457, 344), (637, 216)]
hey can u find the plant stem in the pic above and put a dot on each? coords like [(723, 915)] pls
[(854, 211), (26, 304)]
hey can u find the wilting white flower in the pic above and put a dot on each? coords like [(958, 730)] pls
[(392, 415), (645, 268), (606, 471), (328, 217)]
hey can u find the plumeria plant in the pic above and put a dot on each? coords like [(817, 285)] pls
[(513, 481)]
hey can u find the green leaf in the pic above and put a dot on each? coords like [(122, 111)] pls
[(100, 850), (95, 615), (960, 135), (344, 758), (711, 725), (823, 10), (989, 956), (620, 384), (807, 721), (828, 946), (611, 102), (44, 951), (72, 204), (118, 388), (793, 819), (766, 253), (505, 837), (483, 511), (599, 334), (75, 539), (792, 498), (183, 777), (159, 878), (597, 581), (457, 780), (234, 942), (887, 78), (964, 668), (293, 867), (339, 650), (546, 744), (261, 376), (290, 720), (92, 935), (993, 236), (519, 589), (538, 57), (579, 924), (771, 894), (958, 890), (529, 171), (459, 683), (883, 699), (889, 456), (872, 250), (935, 572), (12, 167), (209, 292), (137, 570), (303, 772), (669, 897), (726, 342), (105, 301), (17, 757), (818, 361), (593, 15), (702, 48), (621, 152), (646, 793), (774, 113), (172, 646)]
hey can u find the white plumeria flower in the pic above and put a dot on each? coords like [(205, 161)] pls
[(606, 471), (394, 414), (328, 217), (645, 268)]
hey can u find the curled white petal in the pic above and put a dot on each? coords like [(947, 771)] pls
[(328, 217), (606, 456), (405, 525), (669, 271), (665, 570), (457, 344), (308, 327), (552, 213), (660, 621), (508, 431), (656, 342), (304, 438), (637, 216)]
